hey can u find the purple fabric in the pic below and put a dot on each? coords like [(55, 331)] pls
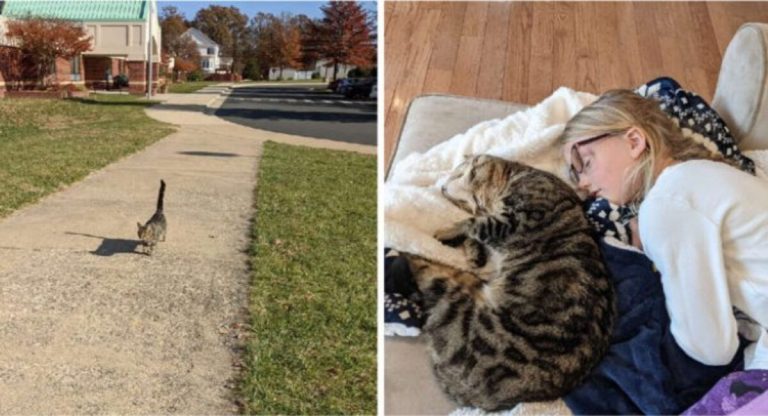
[(758, 406), (731, 393)]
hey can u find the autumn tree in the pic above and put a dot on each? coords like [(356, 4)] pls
[(291, 45), (186, 56), (309, 54), (278, 41), (12, 68), (265, 41), (259, 55), (182, 48), (172, 24), (42, 41), (226, 26), (343, 36)]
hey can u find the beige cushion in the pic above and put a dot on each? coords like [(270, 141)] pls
[(741, 97), (409, 386)]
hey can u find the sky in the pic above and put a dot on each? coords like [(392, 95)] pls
[(250, 8)]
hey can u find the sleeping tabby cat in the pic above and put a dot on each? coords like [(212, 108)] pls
[(154, 230), (534, 315)]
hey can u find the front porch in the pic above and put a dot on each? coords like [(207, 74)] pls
[(99, 73)]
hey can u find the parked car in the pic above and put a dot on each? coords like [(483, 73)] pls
[(334, 85), (359, 89), (347, 83)]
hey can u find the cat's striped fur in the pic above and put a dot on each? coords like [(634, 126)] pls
[(154, 230), (534, 315)]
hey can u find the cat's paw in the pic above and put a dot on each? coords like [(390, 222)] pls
[(453, 236), (477, 253)]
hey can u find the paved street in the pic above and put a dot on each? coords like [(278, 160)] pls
[(304, 110)]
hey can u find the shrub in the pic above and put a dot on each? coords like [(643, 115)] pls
[(355, 73), (120, 81), (196, 75), (252, 70), (362, 73)]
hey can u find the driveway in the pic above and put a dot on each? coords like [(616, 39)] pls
[(304, 110)]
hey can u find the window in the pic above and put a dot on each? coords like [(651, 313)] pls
[(205, 63), (74, 63), (211, 51)]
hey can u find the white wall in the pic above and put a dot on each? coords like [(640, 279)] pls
[(124, 39), (3, 28), (212, 59), (325, 73)]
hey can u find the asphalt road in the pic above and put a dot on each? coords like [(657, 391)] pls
[(309, 111)]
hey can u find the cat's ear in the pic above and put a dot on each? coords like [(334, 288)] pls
[(139, 224)]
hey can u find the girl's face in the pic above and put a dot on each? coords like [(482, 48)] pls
[(600, 164)]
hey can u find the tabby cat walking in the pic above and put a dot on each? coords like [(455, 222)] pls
[(534, 314), (154, 230)]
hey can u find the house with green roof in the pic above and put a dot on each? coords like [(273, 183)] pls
[(119, 31)]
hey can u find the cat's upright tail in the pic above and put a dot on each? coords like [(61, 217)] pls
[(160, 196)]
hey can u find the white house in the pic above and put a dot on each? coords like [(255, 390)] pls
[(209, 50), (325, 72)]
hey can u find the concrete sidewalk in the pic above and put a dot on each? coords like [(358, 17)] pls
[(89, 326)]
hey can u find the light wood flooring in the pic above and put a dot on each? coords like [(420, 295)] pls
[(523, 51)]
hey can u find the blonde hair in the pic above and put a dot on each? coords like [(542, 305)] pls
[(617, 111)]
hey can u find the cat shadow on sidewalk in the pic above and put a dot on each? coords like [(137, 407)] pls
[(111, 246)]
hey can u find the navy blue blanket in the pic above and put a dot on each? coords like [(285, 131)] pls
[(645, 371)]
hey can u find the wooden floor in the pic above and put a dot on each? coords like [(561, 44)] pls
[(523, 51)]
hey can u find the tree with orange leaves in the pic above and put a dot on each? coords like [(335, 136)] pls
[(344, 36), (277, 41), (43, 40), (186, 55), (291, 48)]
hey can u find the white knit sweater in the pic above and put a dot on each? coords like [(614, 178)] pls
[(705, 226)]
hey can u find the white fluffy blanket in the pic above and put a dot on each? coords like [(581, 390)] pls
[(553, 408), (414, 209)]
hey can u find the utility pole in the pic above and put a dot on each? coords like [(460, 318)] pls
[(149, 49)]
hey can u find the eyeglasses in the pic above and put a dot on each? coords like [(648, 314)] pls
[(577, 163)]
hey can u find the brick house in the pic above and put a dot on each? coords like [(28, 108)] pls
[(119, 30)]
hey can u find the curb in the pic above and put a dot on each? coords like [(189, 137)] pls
[(212, 105)]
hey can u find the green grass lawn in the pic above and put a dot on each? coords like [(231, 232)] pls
[(313, 299), (48, 144), (190, 87)]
